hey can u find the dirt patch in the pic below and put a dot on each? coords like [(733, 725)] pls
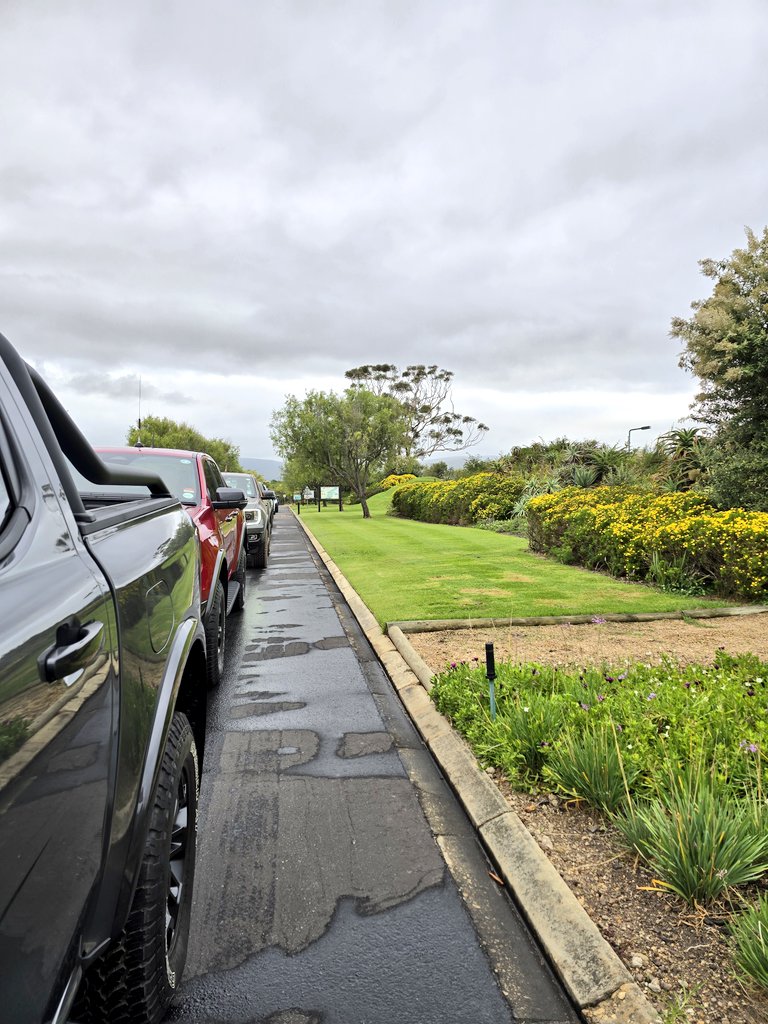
[(679, 958), (687, 640)]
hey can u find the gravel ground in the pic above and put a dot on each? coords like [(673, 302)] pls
[(680, 958), (693, 640)]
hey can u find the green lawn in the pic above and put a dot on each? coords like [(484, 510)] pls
[(408, 570)]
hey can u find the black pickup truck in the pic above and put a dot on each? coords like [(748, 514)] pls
[(102, 721)]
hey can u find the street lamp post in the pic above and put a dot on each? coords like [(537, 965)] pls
[(629, 435)]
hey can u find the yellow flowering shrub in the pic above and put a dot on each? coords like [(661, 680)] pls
[(394, 480), (465, 501), (631, 533)]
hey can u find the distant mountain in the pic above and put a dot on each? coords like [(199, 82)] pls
[(453, 461), (270, 469)]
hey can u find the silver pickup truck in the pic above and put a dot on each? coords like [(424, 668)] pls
[(102, 722)]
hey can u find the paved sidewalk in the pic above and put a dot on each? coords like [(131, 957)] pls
[(335, 867)]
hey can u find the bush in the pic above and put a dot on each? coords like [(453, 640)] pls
[(679, 538), (737, 476), (472, 499), (696, 840), (590, 766), (520, 739), (394, 480), (750, 942)]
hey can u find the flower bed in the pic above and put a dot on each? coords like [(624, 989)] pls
[(672, 754)]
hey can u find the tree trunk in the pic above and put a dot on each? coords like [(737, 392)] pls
[(364, 503)]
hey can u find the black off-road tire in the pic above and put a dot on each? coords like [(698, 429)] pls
[(135, 980), (261, 554), (216, 635), (239, 577)]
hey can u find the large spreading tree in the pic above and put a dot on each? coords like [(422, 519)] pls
[(161, 432), (425, 394), (339, 439), (726, 347)]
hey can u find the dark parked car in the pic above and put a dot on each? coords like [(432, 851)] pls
[(272, 499), (102, 720), (258, 518)]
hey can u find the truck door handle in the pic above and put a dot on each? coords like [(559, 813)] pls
[(76, 646)]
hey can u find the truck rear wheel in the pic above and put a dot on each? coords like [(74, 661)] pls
[(261, 554), (137, 977), (216, 635)]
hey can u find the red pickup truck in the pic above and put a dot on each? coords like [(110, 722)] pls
[(217, 512)]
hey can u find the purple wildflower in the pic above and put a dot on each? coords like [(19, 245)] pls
[(601, 697), (585, 706), (651, 696), (598, 620)]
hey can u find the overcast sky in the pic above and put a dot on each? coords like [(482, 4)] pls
[(240, 200)]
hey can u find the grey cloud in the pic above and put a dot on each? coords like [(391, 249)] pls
[(519, 192), (125, 386)]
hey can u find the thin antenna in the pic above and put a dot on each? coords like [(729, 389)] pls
[(138, 439)]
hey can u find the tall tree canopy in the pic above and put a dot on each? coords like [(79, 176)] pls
[(726, 342), (425, 394), (161, 432), (726, 347), (339, 439)]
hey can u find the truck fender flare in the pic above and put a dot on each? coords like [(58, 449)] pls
[(215, 576), (189, 632)]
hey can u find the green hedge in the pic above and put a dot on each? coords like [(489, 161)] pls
[(462, 502), (677, 539)]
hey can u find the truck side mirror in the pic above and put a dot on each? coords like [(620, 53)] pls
[(229, 497)]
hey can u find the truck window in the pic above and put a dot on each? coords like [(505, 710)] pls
[(213, 478), (243, 482), (178, 472)]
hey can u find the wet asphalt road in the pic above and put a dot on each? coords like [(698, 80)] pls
[(329, 845)]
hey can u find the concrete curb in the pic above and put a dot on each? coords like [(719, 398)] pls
[(592, 973), (440, 625)]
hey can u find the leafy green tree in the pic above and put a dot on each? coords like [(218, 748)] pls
[(475, 465), (726, 341), (726, 347), (425, 394), (339, 439), (439, 469), (161, 432)]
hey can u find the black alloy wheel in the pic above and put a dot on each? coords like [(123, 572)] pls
[(135, 980)]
